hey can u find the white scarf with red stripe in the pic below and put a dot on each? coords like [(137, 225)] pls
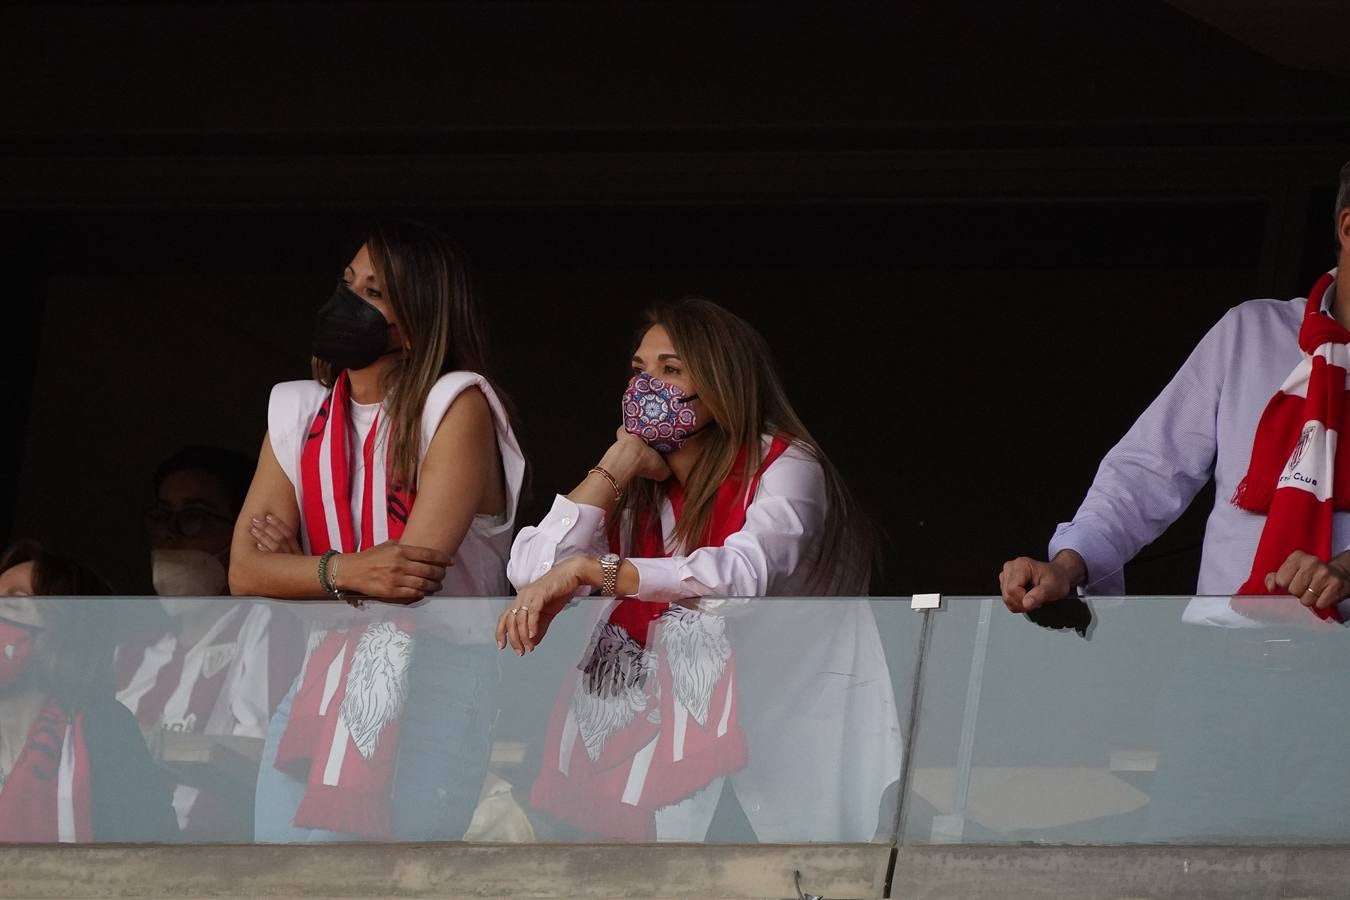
[(1299, 476), (653, 716), (344, 723), (47, 798)]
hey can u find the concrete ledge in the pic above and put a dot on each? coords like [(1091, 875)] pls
[(674, 870), (443, 871), (1132, 871)]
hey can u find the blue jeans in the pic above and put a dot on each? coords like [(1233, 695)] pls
[(443, 747)]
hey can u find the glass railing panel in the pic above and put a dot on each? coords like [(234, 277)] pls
[(769, 720), (1162, 720), (227, 720)]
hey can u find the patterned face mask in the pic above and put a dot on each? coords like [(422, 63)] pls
[(659, 413)]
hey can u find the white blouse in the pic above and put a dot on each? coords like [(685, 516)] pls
[(817, 703), (771, 555)]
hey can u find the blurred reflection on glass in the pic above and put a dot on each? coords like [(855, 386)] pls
[(73, 766), (204, 690), (204, 680), (387, 729), (789, 702)]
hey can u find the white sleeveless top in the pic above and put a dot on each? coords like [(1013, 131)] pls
[(480, 562)]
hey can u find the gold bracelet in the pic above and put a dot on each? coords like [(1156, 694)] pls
[(613, 482)]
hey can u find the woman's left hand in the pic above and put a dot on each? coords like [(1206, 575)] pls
[(1313, 582), (274, 536), (525, 623)]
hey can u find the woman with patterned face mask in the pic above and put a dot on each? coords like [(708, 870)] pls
[(713, 488), (396, 458), (73, 765)]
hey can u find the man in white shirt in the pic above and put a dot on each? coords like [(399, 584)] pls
[(1249, 723), (1201, 426)]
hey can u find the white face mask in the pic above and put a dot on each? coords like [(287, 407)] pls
[(187, 579)]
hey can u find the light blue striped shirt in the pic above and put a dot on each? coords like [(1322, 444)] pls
[(1201, 426)]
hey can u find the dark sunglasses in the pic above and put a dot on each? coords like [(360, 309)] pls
[(186, 522)]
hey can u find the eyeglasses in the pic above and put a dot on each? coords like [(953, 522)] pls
[(186, 522)]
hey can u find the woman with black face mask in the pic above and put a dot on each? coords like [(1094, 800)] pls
[(393, 475)]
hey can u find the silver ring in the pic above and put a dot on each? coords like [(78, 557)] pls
[(1310, 591), (518, 610)]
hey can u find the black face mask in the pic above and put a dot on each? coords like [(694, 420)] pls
[(349, 333)]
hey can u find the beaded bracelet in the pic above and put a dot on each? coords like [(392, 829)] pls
[(325, 578)]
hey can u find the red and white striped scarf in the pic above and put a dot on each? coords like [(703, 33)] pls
[(344, 723), (1299, 475), (641, 728), (47, 799)]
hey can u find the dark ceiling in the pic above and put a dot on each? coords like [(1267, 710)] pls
[(363, 70), (1306, 34)]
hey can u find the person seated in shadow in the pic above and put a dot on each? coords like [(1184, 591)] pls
[(73, 766), (214, 665)]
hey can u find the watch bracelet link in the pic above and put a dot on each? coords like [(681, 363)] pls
[(609, 566)]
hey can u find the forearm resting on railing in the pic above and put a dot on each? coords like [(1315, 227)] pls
[(284, 576)]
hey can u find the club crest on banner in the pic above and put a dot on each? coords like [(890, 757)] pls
[(217, 658)]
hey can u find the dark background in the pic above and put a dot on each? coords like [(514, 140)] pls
[(980, 237)]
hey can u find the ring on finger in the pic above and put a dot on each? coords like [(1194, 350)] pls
[(1310, 591)]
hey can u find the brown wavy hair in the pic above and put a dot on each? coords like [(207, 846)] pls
[(426, 280), (738, 384)]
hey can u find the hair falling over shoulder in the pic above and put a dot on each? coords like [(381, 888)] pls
[(733, 367), (426, 279)]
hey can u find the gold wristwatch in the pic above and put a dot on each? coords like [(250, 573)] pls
[(609, 565)]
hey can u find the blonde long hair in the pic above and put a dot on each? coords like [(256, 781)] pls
[(737, 383), (427, 283)]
